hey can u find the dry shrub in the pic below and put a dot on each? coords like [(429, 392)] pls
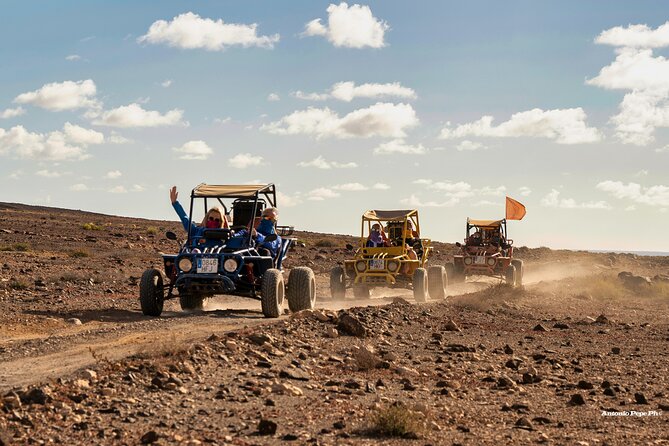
[(152, 230), (91, 227), (21, 247), (396, 420), (324, 243), (18, 284), (79, 254), (492, 296), (163, 348)]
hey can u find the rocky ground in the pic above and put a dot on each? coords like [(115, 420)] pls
[(578, 356)]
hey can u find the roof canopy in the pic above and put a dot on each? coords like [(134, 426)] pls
[(485, 223), (231, 190), (398, 215)]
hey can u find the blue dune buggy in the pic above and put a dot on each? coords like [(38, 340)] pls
[(233, 261)]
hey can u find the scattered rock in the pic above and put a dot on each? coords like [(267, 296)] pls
[(267, 427), (74, 321), (350, 325), (451, 326), (294, 373), (539, 327), (615, 350), (585, 385), (640, 398), (576, 400), (149, 437), (601, 319), (331, 332), (561, 326), (524, 423)]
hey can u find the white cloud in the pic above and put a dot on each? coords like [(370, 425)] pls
[(16, 174), (79, 135), (79, 187), (273, 97), (118, 190), (244, 160), (553, 200), (12, 112), (73, 57), (524, 191), (459, 189), (380, 186), (347, 91), (399, 146), (194, 150), (287, 201), (190, 31), (646, 77), (115, 138), (222, 120), (416, 202), (468, 145), (653, 196), (134, 115), (380, 119), (166, 83), (48, 173), (59, 96), (321, 163), (635, 36), (350, 187), (662, 149), (495, 191), (350, 27), (321, 194), (69, 144), (138, 188), (565, 126), (113, 174)]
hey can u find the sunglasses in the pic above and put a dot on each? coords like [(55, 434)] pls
[(217, 220)]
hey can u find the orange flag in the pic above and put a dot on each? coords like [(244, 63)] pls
[(514, 209)]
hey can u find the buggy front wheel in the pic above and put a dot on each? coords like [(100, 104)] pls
[(511, 275), (337, 283), (151, 292), (420, 284), (437, 280), (272, 291)]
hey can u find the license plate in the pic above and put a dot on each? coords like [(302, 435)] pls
[(479, 260), (376, 264), (207, 266)]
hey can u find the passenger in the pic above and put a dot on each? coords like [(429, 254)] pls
[(377, 237), (213, 219), (410, 267), (267, 227), (474, 239)]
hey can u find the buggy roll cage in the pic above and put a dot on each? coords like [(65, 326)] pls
[(391, 218), (247, 192)]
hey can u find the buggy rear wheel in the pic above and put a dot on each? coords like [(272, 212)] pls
[(272, 291), (337, 283), (151, 292), (301, 290), (191, 302), (420, 285), (520, 271), (437, 280), (361, 291), (511, 275), (456, 272)]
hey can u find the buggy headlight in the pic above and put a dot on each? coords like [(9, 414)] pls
[(393, 266), (361, 265), (468, 260), (230, 265), (185, 264), (490, 261)]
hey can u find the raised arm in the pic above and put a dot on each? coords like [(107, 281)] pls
[(178, 208)]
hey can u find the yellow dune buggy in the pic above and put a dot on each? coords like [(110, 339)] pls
[(391, 253)]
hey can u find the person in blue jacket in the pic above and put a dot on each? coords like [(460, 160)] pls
[(213, 219), (267, 227)]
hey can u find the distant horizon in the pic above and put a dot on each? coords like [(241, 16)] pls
[(175, 220)]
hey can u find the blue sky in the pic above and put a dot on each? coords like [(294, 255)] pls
[(377, 105)]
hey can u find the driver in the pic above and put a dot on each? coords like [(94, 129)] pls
[(213, 219)]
